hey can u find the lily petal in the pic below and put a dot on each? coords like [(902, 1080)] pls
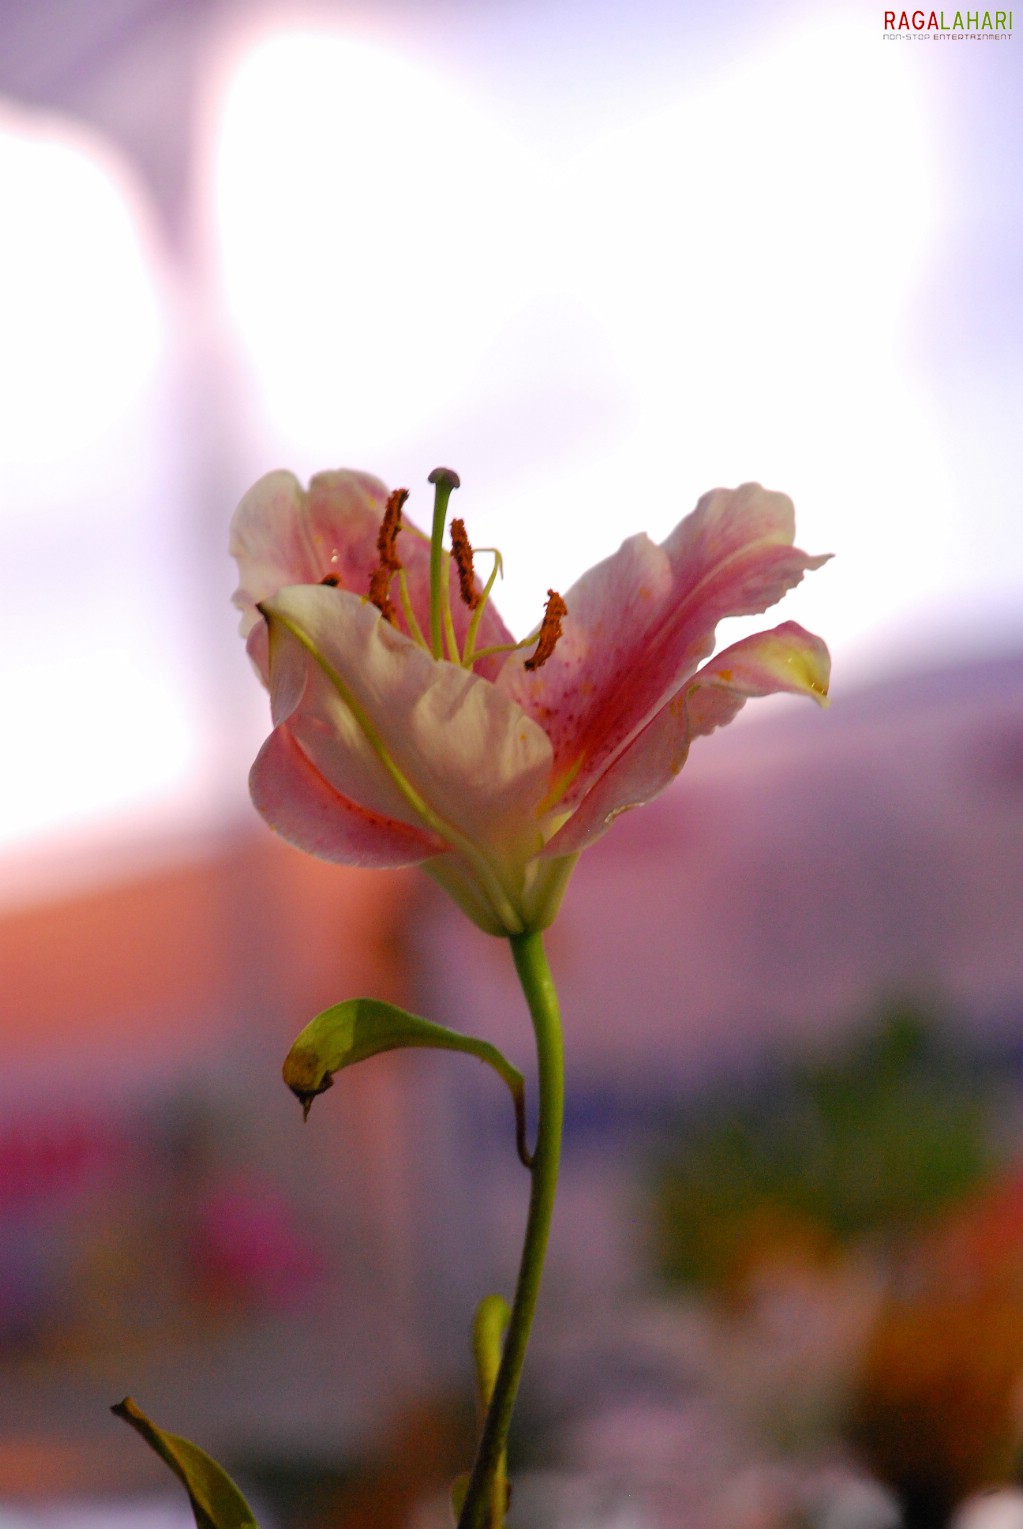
[(640, 622), (281, 534), (406, 737), (303, 807), (788, 658)]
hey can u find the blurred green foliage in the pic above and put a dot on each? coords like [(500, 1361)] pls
[(865, 1146)]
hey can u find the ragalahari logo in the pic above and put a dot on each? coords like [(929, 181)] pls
[(932, 26)]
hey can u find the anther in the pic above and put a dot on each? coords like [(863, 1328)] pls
[(550, 630), (332, 580), (462, 553), (379, 592), (383, 573), (389, 528)]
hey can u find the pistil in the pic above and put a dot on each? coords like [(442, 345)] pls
[(445, 481)]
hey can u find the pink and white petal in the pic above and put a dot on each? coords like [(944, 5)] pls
[(788, 658), (639, 623), (343, 515), (649, 764), (735, 550), (257, 646), (282, 534), (401, 734), (304, 808)]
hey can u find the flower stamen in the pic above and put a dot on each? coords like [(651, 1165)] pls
[(415, 631), (390, 564), (379, 592), (461, 550), (469, 654), (389, 528), (550, 630)]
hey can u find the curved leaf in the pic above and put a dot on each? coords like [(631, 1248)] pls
[(216, 1501), (350, 1032)]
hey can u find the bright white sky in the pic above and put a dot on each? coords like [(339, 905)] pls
[(597, 264)]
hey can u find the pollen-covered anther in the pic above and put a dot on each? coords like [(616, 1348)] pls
[(390, 563), (379, 593), (550, 630), (461, 551), (389, 528)]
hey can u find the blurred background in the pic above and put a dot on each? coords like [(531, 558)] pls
[(599, 259)]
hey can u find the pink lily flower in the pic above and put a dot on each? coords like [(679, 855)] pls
[(494, 764)]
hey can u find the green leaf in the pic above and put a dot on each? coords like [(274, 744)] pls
[(216, 1501), (363, 1027)]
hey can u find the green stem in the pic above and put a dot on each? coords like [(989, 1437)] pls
[(480, 1511)]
